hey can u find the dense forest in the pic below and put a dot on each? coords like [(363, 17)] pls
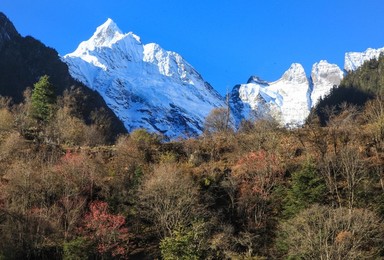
[(262, 192)]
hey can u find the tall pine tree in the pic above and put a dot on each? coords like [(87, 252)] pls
[(43, 99)]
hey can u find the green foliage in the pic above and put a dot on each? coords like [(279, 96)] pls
[(76, 249), (369, 77), (307, 187), (356, 89), (144, 138), (146, 142), (334, 102), (186, 244), (43, 99)]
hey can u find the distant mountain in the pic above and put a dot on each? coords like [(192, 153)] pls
[(353, 60), (145, 85), (290, 99), (23, 60)]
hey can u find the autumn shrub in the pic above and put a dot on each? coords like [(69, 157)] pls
[(169, 199), (218, 121), (147, 143), (6, 120), (125, 171), (257, 174), (106, 231), (320, 232)]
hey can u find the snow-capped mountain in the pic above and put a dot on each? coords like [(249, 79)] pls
[(145, 85), (149, 87), (289, 99)]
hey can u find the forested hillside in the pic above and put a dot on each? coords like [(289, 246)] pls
[(262, 192)]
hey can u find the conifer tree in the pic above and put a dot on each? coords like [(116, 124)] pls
[(42, 100)]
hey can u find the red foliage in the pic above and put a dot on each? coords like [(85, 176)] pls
[(258, 172), (106, 230)]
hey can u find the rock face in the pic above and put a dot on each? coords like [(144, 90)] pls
[(324, 76), (354, 60), (145, 85)]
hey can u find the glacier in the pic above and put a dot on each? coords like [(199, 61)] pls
[(145, 85)]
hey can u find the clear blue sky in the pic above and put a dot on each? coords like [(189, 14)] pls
[(227, 41)]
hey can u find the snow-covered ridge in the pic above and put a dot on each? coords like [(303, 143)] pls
[(354, 60), (145, 85), (289, 99)]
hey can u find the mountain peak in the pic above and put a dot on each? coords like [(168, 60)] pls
[(108, 27), (106, 34), (295, 74)]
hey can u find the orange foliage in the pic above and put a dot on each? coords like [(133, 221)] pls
[(258, 172)]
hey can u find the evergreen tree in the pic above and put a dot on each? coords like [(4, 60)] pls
[(43, 98), (307, 188)]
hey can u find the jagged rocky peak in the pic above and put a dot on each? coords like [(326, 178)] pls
[(105, 36), (295, 74), (7, 29), (323, 71), (324, 76), (354, 60)]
